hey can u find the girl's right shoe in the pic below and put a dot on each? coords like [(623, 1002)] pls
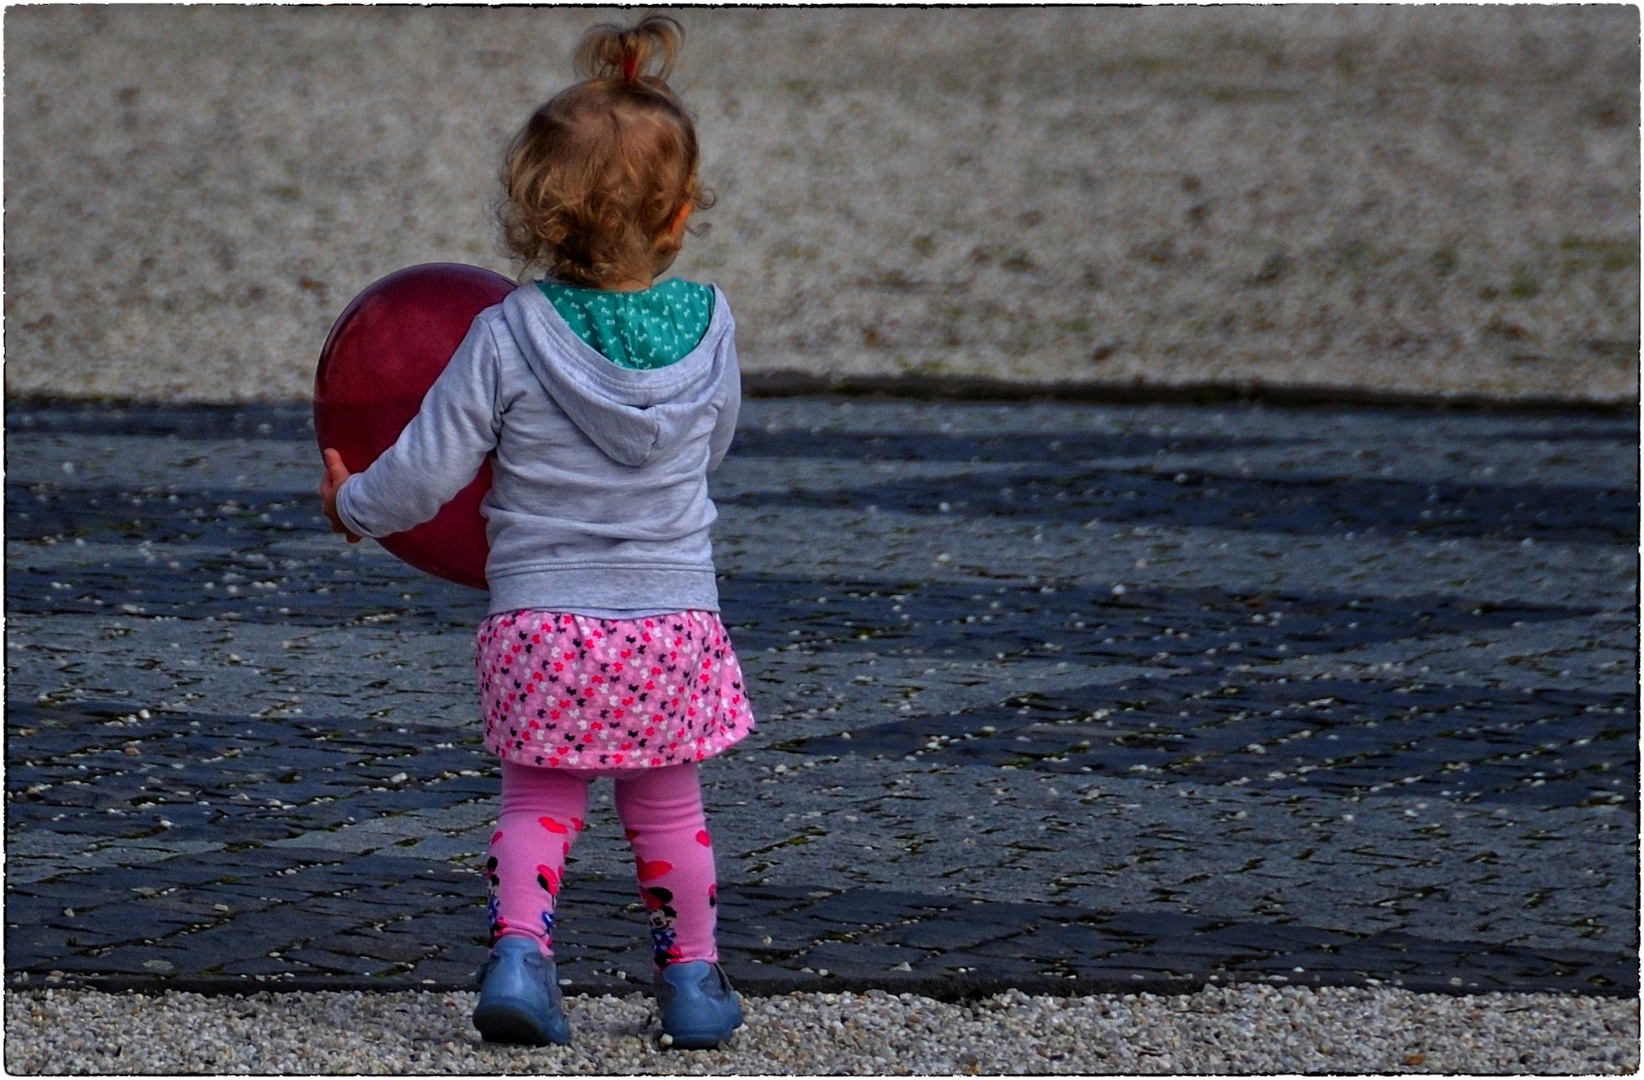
[(699, 1008), (519, 998)]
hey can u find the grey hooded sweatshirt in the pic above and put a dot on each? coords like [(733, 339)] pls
[(599, 503)]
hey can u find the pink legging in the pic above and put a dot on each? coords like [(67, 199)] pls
[(661, 812)]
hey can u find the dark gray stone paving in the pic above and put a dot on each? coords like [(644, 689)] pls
[(1058, 697)]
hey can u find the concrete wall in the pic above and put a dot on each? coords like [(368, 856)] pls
[(1429, 200)]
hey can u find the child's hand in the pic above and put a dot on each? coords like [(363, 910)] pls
[(335, 473)]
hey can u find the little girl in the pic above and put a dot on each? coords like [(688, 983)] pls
[(604, 399)]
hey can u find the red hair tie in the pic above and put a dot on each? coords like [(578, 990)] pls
[(630, 65)]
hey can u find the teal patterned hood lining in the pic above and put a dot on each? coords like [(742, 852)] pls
[(641, 330)]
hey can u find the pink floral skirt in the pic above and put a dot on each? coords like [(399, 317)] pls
[(575, 692)]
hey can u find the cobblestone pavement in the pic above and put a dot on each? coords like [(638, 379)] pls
[(1052, 696)]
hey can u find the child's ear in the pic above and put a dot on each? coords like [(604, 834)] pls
[(676, 227), (672, 240)]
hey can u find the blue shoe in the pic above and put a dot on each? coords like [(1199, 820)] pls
[(699, 1008), (519, 998)]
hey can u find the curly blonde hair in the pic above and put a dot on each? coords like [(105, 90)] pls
[(599, 174)]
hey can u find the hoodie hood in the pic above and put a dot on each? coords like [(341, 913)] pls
[(630, 415)]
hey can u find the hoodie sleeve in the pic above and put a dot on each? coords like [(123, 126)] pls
[(725, 426), (440, 450)]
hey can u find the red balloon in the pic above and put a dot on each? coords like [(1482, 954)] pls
[(382, 355)]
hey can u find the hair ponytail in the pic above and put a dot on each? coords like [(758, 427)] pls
[(611, 52)]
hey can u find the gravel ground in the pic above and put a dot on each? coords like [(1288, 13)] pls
[(1429, 200), (1247, 1029)]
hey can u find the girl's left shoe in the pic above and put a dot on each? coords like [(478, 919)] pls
[(699, 1008), (519, 998)]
